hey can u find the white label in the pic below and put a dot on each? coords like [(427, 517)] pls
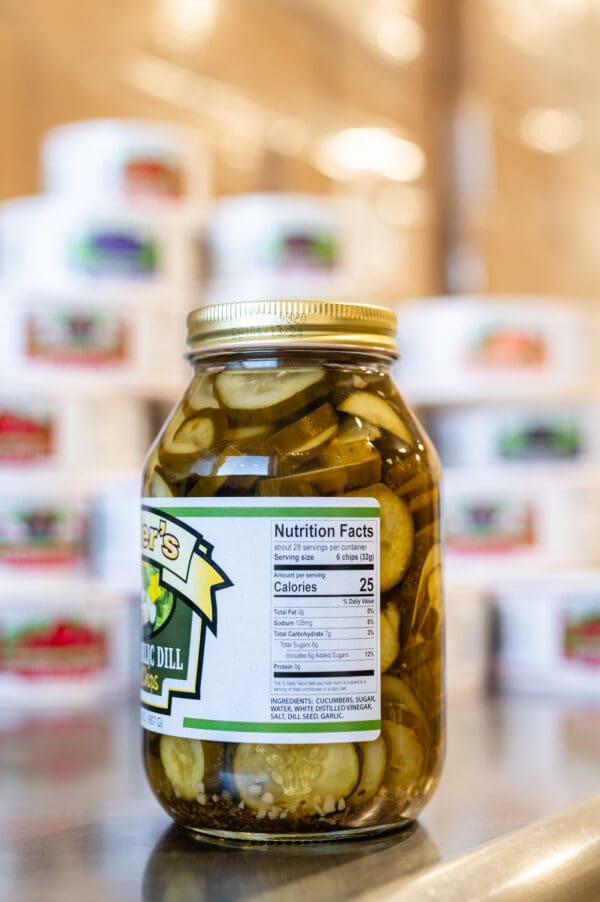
[(261, 619)]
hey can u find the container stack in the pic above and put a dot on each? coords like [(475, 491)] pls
[(97, 276), (506, 387)]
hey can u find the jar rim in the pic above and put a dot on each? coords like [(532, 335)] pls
[(299, 323)]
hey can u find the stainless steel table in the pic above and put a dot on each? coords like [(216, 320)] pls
[(78, 822)]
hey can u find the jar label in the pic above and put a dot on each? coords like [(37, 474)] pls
[(26, 433), (72, 337), (260, 619)]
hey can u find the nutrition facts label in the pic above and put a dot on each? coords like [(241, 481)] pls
[(261, 619), (325, 623)]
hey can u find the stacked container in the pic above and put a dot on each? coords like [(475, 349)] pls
[(276, 246), (97, 277), (507, 389)]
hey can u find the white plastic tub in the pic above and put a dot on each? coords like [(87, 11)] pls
[(264, 246), (63, 644), (43, 523), (115, 533), (86, 343), (491, 348), (499, 517), (63, 242), (468, 641), (130, 160), (541, 434), (65, 432), (549, 635)]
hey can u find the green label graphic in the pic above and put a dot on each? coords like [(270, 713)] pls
[(180, 582)]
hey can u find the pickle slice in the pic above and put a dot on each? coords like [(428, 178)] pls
[(396, 533), (306, 434), (419, 652), (200, 395), (343, 454), (159, 487), (397, 694), (429, 593), (247, 435), (325, 480), (427, 555), (419, 483), (388, 635), (424, 507), (353, 430), (183, 761), (287, 776), (198, 433), (375, 410), (268, 395), (374, 759), (403, 471), (405, 757)]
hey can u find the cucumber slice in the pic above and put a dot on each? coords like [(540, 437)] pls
[(405, 757), (198, 433), (403, 471), (421, 482), (325, 480), (247, 435), (343, 454), (425, 507), (374, 759), (388, 636), (309, 433), (396, 693), (431, 624), (354, 430), (268, 395), (159, 487), (418, 652), (183, 762), (396, 533), (427, 555), (429, 593), (200, 395), (377, 411), (286, 776)]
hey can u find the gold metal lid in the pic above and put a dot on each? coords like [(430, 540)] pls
[(286, 324)]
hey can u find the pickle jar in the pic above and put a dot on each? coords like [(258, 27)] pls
[(292, 647)]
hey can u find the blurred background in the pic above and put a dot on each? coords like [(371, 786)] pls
[(161, 154)]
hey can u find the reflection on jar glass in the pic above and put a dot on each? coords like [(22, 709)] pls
[(292, 582)]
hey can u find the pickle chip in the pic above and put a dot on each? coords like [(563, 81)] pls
[(200, 395), (159, 487), (290, 776), (183, 762), (354, 430), (325, 480), (268, 395), (309, 433), (344, 454), (247, 435), (374, 759), (388, 636), (404, 471), (375, 410), (198, 433), (396, 533), (396, 693), (406, 757)]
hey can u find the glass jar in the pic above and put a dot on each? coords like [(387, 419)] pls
[(292, 650)]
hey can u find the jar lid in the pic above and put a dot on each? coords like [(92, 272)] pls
[(283, 324)]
